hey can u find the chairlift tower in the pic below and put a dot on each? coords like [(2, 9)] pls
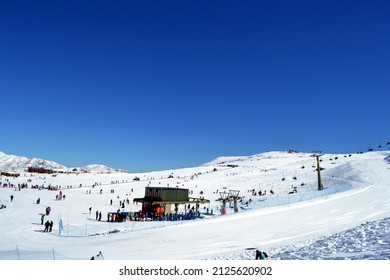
[(317, 155), (234, 196), (224, 198)]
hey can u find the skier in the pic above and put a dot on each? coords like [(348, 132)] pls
[(51, 226), (47, 225), (97, 214), (12, 197), (100, 216), (42, 218)]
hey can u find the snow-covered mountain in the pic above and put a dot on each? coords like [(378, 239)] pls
[(13, 163), (100, 168)]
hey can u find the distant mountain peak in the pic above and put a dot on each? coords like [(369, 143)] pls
[(12, 163)]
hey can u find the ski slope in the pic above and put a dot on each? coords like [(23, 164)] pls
[(356, 193)]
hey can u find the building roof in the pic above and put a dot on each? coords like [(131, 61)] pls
[(167, 188)]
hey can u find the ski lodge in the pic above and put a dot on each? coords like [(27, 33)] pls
[(159, 200), (9, 174), (38, 169)]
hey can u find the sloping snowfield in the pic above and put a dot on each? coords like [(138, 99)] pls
[(349, 219)]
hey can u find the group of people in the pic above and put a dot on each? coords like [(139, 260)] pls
[(48, 226), (118, 217), (60, 196)]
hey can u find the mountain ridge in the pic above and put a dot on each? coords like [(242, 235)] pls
[(14, 163)]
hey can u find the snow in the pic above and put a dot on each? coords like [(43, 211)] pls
[(16, 163), (13, 163), (349, 219)]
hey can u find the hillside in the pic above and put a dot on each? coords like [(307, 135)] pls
[(280, 207)]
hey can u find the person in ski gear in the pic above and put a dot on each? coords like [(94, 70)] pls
[(260, 255), (47, 225)]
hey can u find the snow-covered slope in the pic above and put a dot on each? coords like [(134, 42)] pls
[(99, 168), (294, 216)]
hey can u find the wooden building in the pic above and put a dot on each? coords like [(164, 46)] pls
[(10, 174), (38, 169), (158, 200)]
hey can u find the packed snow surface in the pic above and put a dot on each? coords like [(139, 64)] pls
[(280, 211)]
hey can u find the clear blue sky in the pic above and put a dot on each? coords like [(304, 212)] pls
[(151, 85)]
